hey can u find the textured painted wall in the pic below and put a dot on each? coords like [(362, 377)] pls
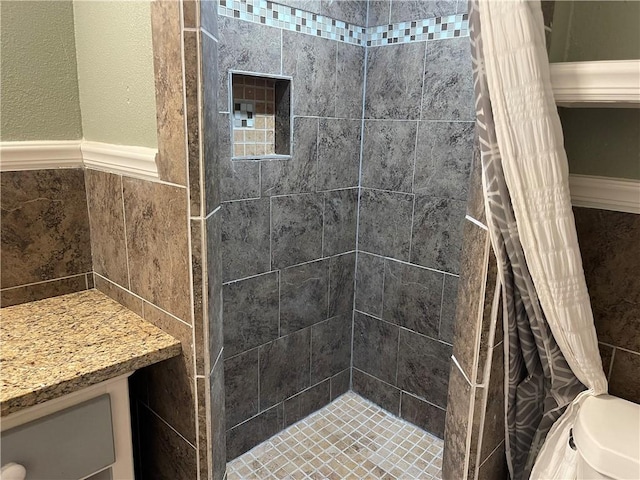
[(595, 30), (602, 141), (39, 94), (115, 72)]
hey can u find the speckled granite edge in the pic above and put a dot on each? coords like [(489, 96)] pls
[(57, 346)]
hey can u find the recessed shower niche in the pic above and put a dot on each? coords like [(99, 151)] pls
[(261, 116)]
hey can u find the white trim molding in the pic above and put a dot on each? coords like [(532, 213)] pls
[(40, 155), (612, 83), (124, 159), (605, 193), (127, 160)]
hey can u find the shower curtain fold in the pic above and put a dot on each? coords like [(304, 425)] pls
[(551, 356)]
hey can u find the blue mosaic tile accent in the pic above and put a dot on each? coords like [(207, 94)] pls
[(289, 18), (439, 28)]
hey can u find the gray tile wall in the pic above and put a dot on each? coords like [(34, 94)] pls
[(416, 162), (393, 183), (288, 232), (474, 425)]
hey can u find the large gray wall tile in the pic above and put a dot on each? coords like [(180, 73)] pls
[(423, 414), (247, 435), (311, 61), (448, 81), (296, 229), (217, 427), (340, 383), (412, 297), (392, 92), (407, 10), (379, 392), (247, 47), (340, 221), (385, 223), (423, 367), (456, 425), (338, 153), (214, 318), (388, 155), (449, 303), (352, 11), (379, 11), (208, 130), (237, 179), (297, 174), (369, 284), (240, 387), (443, 159), (245, 238), (306, 402), (330, 347), (470, 287), (303, 295), (350, 78), (342, 269), (437, 233), (375, 347), (250, 313), (284, 367)]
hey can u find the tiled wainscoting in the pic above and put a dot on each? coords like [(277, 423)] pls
[(611, 260), (349, 438), (45, 248)]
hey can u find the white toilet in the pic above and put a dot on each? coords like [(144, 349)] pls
[(607, 436)]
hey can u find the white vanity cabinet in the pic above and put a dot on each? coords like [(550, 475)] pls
[(82, 435)]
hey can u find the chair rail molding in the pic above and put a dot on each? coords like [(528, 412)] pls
[(608, 83), (605, 193), (132, 161)]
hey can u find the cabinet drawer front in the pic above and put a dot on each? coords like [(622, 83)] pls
[(67, 445)]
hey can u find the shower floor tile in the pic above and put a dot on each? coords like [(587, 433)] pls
[(351, 438)]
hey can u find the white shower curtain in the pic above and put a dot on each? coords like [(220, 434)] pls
[(530, 143)]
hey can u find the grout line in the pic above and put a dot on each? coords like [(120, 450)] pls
[(210, 35), (424, 71), (444, 279), (476, 222), (610, 369), (290, 266), (258, 382), (170, 426), (357, 239), (270, 233), (324, 208), (8, 289), (126, 241), (411, 264)]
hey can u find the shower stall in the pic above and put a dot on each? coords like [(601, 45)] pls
[(338, 141)]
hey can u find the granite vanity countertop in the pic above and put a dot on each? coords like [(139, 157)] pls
[(56, 346)]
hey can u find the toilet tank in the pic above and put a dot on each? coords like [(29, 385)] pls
[(607, 436)]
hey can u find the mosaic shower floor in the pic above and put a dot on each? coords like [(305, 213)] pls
[(351, 438)]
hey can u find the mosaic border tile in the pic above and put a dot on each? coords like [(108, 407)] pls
[(293, 19), (296, 20)]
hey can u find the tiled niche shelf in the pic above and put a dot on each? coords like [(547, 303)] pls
[(614, 83), (260, 117)]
